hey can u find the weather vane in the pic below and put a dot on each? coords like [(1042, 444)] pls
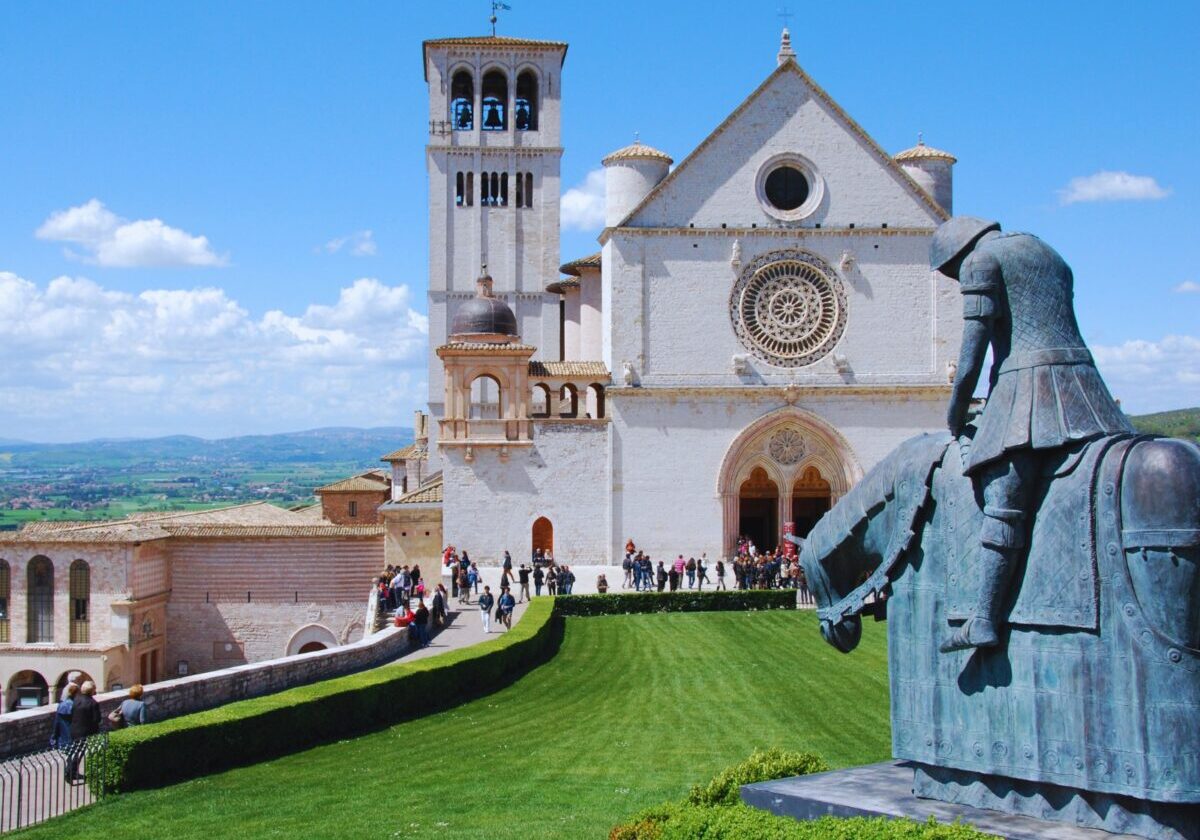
[(497, 7)]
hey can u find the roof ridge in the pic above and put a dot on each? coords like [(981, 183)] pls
[(788, 65)]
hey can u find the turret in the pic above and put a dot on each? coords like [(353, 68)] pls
[(933, 170), (629, 175)]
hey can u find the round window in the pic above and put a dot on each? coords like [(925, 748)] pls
[(788, 308), (786, 188)]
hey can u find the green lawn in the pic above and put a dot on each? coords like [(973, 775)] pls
[(631, 712)]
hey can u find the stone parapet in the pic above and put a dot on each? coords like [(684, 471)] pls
[(29, 730)]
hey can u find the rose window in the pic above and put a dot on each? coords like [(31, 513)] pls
[(786, 447), (788, 308)]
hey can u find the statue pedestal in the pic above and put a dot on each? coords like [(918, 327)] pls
[(886, 790)]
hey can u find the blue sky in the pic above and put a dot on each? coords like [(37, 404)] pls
[(268, 139)]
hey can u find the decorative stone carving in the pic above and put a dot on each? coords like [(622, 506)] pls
[(627, 373), (787, 447), (735, 258), (788, 308)]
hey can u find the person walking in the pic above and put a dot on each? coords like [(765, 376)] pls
[(662, 576), (627, 568), (486, 600), (504, 608), (85, 722), (538, 578), (464, 585), (439, 606), (720, 574), (473, 578), (702, 572), (551, 581), (421, 624), (691, 572), (523, 577)]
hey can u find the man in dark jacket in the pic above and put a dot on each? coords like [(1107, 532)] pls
[(85, 722)]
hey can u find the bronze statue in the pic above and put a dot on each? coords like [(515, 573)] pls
[(1045, 393)]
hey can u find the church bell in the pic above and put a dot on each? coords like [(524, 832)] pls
[(492, 121)]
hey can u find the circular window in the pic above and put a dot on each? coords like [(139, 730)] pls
[(786, 188), (788, 308)]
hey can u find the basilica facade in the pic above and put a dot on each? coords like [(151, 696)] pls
[(759, 327)]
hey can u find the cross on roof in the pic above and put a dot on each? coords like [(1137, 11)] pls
[(786, 15)]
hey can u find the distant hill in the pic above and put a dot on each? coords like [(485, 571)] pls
[(334, 444), (1181, 423)]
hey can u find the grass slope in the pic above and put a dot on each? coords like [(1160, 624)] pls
[(631, 712)]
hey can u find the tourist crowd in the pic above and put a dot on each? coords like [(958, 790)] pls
[(748, 569), (77, 718)]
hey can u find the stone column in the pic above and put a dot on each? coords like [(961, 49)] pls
[(730, 505)]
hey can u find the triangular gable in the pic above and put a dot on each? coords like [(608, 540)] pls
[(887, 164)]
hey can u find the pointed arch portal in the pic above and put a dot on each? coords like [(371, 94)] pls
[(787, 466)]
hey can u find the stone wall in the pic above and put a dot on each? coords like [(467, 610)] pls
[(335, 507), (29, 730), (413, 534), (563, 477)]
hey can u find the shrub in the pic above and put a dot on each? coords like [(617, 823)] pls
[(715, 811), (737, 822), (689, 601), (725, 787), (253, 730)]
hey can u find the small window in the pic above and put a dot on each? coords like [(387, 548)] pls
[(5, 592), (520, 190), (485, 193), (470, 189), (504, 189), (39, 595), (352, 508), (528, 189), (462, 101), (80, 580), (460, 190)]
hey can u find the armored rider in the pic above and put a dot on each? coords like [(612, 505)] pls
[(1045, 394)]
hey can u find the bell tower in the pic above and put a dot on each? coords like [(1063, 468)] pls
[(493, 159)]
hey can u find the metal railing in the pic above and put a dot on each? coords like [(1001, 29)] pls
[(46, 783)]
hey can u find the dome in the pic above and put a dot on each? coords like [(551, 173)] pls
[(483, 316), (637, 150), (923, 152)]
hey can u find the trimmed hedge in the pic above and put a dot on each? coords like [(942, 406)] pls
[(715, 811), (250, 731), (685, 821), (616, 603)]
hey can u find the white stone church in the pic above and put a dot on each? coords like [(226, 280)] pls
[(759, 327)]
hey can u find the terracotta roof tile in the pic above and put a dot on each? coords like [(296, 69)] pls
[(373, 480), (273, 531), (485, 347), (413, 450), (637, 150), (429, 493), (570, 370), (574, 266), (923, 152)]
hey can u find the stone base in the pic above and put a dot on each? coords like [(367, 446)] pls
[(886, 790), (1158, 820)]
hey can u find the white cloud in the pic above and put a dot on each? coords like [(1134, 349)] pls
[(361, 243), (582, 206), (1112, 186), (109, 240), (84, 361), (1187, 287), (1152, 375)]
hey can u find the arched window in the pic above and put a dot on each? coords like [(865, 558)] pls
[(528, 189), (495, 101), (485, 190), (525, 109), (520, 189), (81, 598), (5, 592), (541, 400), (595, 401), (39, 594), (462, 101), (495, 187), (568, 397), (460, 190), (485, 398), (503, 189), (470, 189)]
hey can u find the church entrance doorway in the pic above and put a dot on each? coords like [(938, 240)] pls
[(758, 505), (810, 500), (543, 536)]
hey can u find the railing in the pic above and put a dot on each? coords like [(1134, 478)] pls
[(38, 785), (511, 430)]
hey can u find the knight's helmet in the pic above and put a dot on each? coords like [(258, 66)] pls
[(954, 237)]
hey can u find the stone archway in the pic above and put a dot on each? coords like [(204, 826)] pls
[(304, 639), (801, 454)]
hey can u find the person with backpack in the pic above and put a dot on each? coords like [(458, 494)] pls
[(486, 600)]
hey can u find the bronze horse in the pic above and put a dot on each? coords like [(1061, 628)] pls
[(1089, 709)]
